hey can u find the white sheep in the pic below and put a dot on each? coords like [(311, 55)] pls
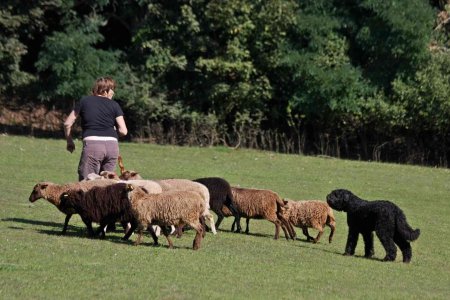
[(189, 185)]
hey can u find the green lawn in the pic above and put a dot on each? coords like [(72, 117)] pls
[(37, 262)]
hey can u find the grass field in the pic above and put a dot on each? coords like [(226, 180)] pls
[(36, 262)]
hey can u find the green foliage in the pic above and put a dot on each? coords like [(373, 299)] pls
[(388, 40), (360, 70), (425, 98), (73, 62), (12, 50)]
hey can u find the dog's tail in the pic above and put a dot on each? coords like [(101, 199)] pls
[(405, 230)]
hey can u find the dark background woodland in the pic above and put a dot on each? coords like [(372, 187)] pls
[(353, 79)]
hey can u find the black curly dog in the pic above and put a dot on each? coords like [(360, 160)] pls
[(383, 217)]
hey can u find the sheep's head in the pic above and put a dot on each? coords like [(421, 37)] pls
[(130, 175), (109, 175), (38, 191)]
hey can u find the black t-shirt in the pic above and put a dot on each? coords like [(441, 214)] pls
[(98, 116)]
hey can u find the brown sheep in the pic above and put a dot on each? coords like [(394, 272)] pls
[(313, 214), (176, 208), (52, 192), (259, 204)]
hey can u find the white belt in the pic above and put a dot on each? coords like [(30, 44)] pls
[(100, 138)]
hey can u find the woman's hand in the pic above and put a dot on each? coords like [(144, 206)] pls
[(70, 145)]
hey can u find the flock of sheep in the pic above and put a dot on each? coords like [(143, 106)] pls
[(170, 205)]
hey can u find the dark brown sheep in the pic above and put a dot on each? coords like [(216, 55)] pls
[(220, 196), (103, 205)]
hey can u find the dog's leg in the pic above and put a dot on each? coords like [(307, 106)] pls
[(405, 247), (368, 244), (389, 246), (352, 240)]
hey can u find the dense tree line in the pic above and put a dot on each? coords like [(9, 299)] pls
[(364, 79)]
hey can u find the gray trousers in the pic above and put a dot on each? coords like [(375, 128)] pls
[(98, 156)]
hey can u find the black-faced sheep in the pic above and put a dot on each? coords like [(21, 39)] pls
[(100, 204), (220, 196), (52, 193), (259, 204), (313, 214), (177, 208)]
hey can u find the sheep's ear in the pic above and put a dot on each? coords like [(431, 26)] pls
[(134, 173), (43, 185), (111, 175)]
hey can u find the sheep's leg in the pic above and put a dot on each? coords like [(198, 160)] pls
[(219, 220), (232, 209), (198, 236), (66, 223), (166, 234), (286, 229), (316, 240), (237, 222), (286, 225), (179, 230), (333, 228), (306, 233), (139, 231), (102, 229), (88, 224), (153, 235), (133, 226), (202, 223), (277, 229), (111, 226), (247, 223)]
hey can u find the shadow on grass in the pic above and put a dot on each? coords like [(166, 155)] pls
[(34, 222)]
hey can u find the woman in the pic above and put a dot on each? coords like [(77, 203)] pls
[(102, 123)]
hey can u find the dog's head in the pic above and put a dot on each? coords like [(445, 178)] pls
[(339, 199)]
